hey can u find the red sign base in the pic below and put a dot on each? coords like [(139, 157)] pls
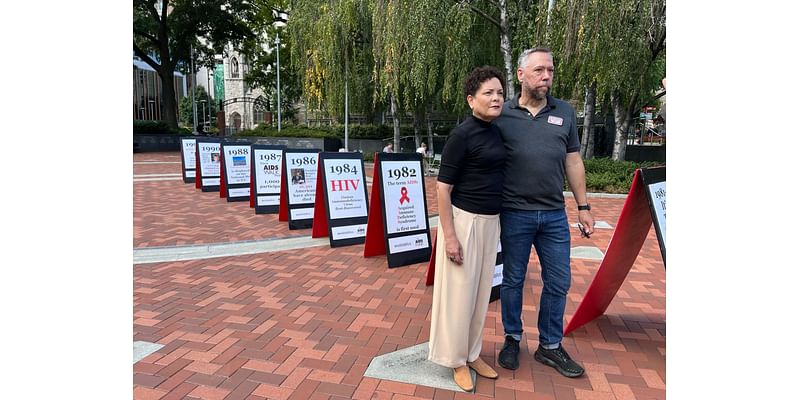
[(375, 241), (626, 242)]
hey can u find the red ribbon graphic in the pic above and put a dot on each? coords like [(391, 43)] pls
[(404, 195)]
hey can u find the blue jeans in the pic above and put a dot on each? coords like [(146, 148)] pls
[(548, 231)]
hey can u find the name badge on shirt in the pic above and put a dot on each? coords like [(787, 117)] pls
[(555, 120)]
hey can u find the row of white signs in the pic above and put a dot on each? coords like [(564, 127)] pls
[(402, 185)]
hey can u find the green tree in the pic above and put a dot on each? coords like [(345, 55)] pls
[(637, 68), (204, 106), (330, 48), (421, 59), (263, 71), (608, 50), (501, 14), (164, 36)]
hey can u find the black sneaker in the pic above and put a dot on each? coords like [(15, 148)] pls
[(560, 360), (509, 356)]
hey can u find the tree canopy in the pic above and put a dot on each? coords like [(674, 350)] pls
[(166, 31), (412, 56)]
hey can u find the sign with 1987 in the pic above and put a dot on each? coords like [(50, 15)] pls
[(266, 175)]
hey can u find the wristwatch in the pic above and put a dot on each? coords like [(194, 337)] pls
[(586, 207)]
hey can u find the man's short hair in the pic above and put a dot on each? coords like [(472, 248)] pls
[(480, 75), (523, 58)]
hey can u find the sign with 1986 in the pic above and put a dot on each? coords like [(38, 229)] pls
[(300, 175)]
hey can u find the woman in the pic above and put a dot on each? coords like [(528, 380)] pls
[(469, 190)]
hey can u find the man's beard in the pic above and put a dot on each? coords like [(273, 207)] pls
[(536, 94)]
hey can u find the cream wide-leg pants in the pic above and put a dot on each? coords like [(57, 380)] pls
[(461, 292)]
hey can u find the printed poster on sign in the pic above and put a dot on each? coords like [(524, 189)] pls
[(188, 159), (267, 176), (404, 199), (658, 194), (188, 149), (209, 158), (346, 193), (655, 189), (237, 164), (302, 181)]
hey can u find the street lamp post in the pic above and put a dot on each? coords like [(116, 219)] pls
[(194, 89), (203, 102), (278, 55), (346, 102), (208, 82)]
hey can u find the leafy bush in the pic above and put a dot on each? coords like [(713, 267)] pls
[(378, 132), (290, 131), (157, 127), (604, 175)]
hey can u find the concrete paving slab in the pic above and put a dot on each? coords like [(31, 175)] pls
[(155, 175), (142, 349), (586, 253), (411, 365), (182, 253), (177, 178), (597, 225), (569, 195)]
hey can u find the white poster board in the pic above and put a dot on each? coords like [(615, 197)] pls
[(302, 177), (237, 164), (343, 194), (208, 153), (188, 160), (267, 177), (300, 173), (658, 194), (344, 183), (403, 197), (403, 226), (655, 180)]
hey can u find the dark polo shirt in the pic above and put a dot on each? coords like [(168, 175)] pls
[(536, 148)]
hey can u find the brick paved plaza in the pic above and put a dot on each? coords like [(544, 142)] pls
[(305, 323)]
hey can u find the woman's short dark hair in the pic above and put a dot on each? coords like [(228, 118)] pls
[(480, 75)]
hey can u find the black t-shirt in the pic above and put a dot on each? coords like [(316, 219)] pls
[(472, 161)]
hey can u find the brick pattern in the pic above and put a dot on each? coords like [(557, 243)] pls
[(306, 324)]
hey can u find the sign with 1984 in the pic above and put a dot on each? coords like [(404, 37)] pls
[(345, 194)]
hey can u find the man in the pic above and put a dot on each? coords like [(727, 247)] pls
[(541, 140), (423, 149), (389, 148), (298, 176)]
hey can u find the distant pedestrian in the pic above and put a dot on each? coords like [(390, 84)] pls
[(423, 149), (389, 148)]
